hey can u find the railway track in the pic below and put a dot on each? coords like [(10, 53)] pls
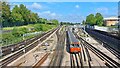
[(113, 51), (57, 55), (37, 65), (107, 34), (76, 60), (108, 47), (81, 59), (59, 51), (108, 61), (85, 56), (5, 61), (107, 40), (15, 47)]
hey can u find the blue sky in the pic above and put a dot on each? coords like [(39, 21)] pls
[(71, 11), (64, 0)]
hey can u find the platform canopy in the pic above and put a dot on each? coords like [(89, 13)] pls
[(112, 18)]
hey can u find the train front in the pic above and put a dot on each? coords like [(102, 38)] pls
[(74, 44)]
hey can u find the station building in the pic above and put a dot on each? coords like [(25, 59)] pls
[(111, 21)]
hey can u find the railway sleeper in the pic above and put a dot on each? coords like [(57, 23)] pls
[(102, 57)]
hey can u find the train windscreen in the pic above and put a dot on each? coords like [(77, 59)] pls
[(74, 45)]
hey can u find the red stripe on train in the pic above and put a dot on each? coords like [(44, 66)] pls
[(73, 49)]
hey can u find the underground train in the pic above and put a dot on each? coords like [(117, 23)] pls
[(74, 44)]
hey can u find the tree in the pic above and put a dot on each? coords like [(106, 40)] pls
[(99, 19), (25, 13), (17, 18), (5, 14), (90, 19), (34, 18), (55, 22), (1, 20), (25, 16), (83, 22)]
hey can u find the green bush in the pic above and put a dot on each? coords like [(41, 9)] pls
[(43, 27), (17, 32), (24, 30), (8, 37), (38, 27), (47, 27)]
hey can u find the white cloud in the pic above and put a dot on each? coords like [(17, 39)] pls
[(77, 6), (13, 4), (102, 10), (48, 14), (53, 14), (66, 18), (36, 6)]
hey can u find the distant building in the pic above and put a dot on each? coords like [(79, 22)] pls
[(111, 21)]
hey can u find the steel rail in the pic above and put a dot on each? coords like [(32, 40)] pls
[(6, 61), (99, 53)]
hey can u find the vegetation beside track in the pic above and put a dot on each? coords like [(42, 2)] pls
[(16, 34)]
